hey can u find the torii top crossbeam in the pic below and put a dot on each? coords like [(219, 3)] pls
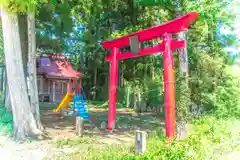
[(174, 26)]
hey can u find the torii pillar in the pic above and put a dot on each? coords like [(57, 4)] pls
[(166, 47)]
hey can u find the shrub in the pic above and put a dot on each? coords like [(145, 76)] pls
[(226, 98), (213, 86), (6, 121)]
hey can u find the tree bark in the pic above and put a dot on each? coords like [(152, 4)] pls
[(7, 101), (2, 79), (132, 12), (24, 122), (134, 95), (22, 21), (182, 53), (33, 89), (122, 79), (95, 84), (182, 121), (183, 57), (134, 98)]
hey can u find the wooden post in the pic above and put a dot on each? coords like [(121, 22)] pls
[(49, 83), (41, 85), (141, 142), (79, 125), (62, 86), (54, 91), (80, 83)]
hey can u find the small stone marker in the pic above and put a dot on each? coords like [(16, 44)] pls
[(79, 126), (95, 129), (141, 144), (103, 125)]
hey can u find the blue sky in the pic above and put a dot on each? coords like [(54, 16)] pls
[(234, 9)]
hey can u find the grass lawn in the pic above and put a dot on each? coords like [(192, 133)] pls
[(209, 138)]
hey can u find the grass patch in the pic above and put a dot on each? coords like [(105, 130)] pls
[(210, 138), (102, 104), (75, 141), (113, 152)]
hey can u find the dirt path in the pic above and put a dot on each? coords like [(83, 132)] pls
[(39, 150), (60, 129), (10, 150)]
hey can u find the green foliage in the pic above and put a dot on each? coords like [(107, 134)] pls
[(226, 99), (121, 95), (57, 23), (54, 25), (153, 2), (212, 84), (207, 59), (183, 99), (6, 120), (21, 6), (153, 91), (125, 31)]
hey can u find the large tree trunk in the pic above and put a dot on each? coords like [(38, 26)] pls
[(24, 122), (182, 53), (22, 21), (182, 121), (33, 89)]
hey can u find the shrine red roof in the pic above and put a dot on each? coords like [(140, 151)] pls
[(55, 67)]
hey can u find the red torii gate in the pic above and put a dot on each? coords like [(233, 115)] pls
[(168, 45)]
